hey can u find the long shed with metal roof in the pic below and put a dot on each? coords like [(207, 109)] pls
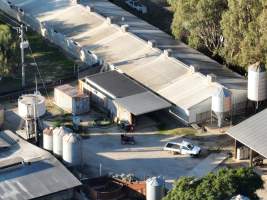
[(96, 33)]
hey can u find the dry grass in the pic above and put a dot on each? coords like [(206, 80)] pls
[(179, 131)]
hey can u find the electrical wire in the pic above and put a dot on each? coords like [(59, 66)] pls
[(31, 52)]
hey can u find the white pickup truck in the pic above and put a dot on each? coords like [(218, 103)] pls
[(182, 148)]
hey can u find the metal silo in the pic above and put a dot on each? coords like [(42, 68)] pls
[(155, 188), (72, 149), (257, 82), (58, 134), (48, 139), (221, 104)]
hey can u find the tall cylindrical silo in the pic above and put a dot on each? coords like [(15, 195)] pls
[(58, 134), (48, 139), (257, 82), (72, 149), (155, 188), (221, 104)]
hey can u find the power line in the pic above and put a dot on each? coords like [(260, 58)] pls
[(20, 29), (38, 70)]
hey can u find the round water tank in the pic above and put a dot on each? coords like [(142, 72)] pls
[(221, 101), (26, 105), (2, 114), (48, 139), (58, 134), (155, 188), (257, 82), (72, 149)]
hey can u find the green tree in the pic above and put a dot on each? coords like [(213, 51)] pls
[(222, 185), (262, 21), (8, 48), (197, 22), (241, 31)]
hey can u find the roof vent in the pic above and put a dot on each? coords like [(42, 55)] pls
[(109, 20), (152, 43), (167, 52), (125, 28), (193, 69), (90, 8), (211, 78)]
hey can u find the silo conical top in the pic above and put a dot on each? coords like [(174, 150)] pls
[(72, 138)]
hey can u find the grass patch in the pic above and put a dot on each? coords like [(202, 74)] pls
[(53, 64), (179, 131)]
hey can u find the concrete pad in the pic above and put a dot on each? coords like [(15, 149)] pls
[(207, 165), (145, 159)]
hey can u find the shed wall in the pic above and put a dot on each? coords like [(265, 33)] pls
[(80, 105), (201, 112), (63, 100), (123, 114), (106, 103)]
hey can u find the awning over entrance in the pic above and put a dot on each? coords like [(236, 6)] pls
[(142, 103), (252, 133)]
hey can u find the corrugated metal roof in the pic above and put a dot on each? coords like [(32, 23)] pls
[(115, 83), (192, 90), (129, 51), (252, 132), (180, 51), (70, 90), (142, 103), (43, 176)]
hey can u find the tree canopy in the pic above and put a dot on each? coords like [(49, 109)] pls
[(241, 30), (197, 22), (235, 30), (8, 50), (221, 185)]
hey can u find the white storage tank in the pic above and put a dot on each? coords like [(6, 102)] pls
[(155, 188), (221, 103), (2, 115), (26, 105), (48, 139), (257, 82), (58, 134), (72, 144)]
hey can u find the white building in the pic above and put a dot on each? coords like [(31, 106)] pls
[(169, 68)]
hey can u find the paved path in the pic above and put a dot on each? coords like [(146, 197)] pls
[(207, 165)]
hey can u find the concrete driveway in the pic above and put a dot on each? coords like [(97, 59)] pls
[(146, 158)]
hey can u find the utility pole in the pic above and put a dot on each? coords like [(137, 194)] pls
[(23, 45)]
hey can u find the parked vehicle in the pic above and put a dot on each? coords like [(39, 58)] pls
[(125, 139), (135, 4), (182, 148)]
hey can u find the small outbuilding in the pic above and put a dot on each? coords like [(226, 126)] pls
[(71, 100), (123, 98)]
